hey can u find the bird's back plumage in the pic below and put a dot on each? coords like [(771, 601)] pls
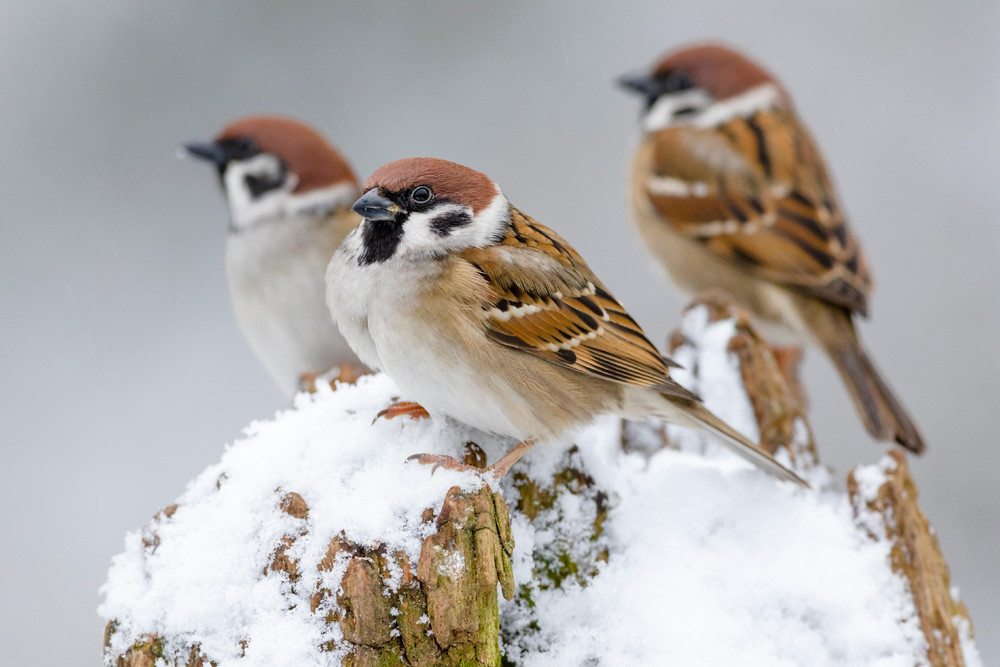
[(754, 191)]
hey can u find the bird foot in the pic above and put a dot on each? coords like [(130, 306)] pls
[(498, 470), (307, 382), (404, 409), (348, 374), (446, 462)]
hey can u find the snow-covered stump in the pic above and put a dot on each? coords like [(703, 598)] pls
[(884, 496), (442, 612), (314, 542)]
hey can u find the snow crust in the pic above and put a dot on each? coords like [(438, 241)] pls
[(699, 560)]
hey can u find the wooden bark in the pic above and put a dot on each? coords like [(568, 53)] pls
[(443, 612), (916, 555)]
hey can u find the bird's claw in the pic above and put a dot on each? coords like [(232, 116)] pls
[(446, 462), (403, 409)]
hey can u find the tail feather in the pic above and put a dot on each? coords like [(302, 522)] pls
[(740, 445), (882, 413)]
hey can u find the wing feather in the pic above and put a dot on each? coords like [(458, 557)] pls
[(546, 301), (755, 191)]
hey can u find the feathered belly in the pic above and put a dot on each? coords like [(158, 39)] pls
[(451, 368), (445, 381)]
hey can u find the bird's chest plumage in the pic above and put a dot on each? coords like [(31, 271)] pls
[(427, 335), (275, 276)]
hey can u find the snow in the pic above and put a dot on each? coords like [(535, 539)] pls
[(969, 649), (710, 370), (713, 565), (203, 583), (870, 478), (700, 559)]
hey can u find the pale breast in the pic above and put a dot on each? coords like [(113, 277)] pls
[(430, 340), (276, 277)]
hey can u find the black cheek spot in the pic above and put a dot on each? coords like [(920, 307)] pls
[(380, 239), (443, 224), (260, 184)]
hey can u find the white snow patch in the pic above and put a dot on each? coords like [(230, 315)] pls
[(871, 478), (713, 372), (970, 652), (711, 568), (452, 565)]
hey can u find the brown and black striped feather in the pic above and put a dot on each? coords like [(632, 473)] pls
[(766, 202), (546, 301)]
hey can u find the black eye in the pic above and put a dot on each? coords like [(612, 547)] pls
[(242, 148), (421, 194)]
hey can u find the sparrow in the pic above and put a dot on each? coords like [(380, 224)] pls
[(484, 315), (289, 194), (728, 190)]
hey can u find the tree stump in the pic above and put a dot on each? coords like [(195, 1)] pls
[(378, 608), (440, 611)]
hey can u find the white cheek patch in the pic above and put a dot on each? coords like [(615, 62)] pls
[(491, 223), (745, 104), (422, 237), (419, 236), (664, 112), (245, 209)]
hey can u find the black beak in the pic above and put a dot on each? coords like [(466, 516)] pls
[(373, 206), (641, 83), (209, 151)]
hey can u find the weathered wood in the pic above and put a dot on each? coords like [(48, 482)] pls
[(770, 379), (444, 611), (916, 555)]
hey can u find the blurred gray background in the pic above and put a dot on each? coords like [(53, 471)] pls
[(124, 373)]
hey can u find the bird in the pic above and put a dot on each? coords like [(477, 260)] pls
[(289, 194), (729, 190), (484, 315)]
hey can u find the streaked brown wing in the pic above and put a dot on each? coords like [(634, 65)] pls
[(755, 191), (546, 301)]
